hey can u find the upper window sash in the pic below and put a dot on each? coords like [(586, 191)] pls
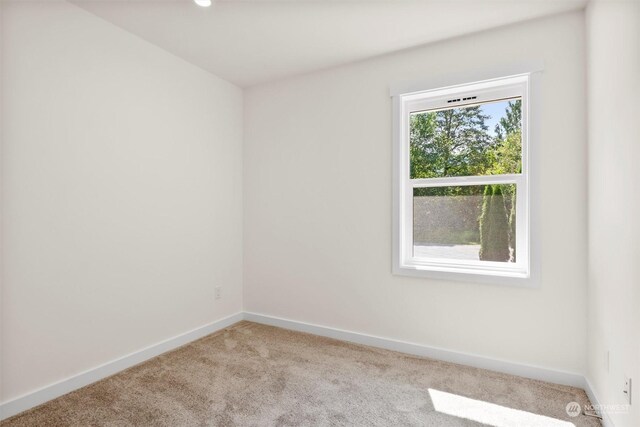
[(437, 99)]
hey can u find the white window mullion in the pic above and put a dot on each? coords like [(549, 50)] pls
[(465, 180)]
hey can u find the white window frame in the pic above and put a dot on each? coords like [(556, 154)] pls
[(404, 263)]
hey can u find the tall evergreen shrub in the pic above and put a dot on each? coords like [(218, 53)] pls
[(494, 226)]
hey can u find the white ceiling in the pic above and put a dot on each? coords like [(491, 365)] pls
[(249, 42)]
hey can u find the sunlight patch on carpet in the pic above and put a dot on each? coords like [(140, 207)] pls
[(490, 413)]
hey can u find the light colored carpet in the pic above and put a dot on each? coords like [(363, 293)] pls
[(256, 375)]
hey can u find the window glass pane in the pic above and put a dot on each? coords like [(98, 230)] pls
[(474, 222), (477, 140)]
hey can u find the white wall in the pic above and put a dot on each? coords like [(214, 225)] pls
[(122, 182), (122, 206), (613, 39), (317, 202)]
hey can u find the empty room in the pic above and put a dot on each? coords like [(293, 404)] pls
[(320, 213)]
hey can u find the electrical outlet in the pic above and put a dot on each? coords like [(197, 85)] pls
[(627, 389), (217, 292)]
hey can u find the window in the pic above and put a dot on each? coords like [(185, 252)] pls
[(461, 185)]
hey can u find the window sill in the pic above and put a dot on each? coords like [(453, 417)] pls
[(517, 278)]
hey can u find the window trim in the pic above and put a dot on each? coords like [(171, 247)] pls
[(518, 85)]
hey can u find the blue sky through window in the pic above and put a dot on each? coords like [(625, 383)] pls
[(495, 110)]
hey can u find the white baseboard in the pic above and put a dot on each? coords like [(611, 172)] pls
[(30, 400), (534, 372), (588, 388)]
